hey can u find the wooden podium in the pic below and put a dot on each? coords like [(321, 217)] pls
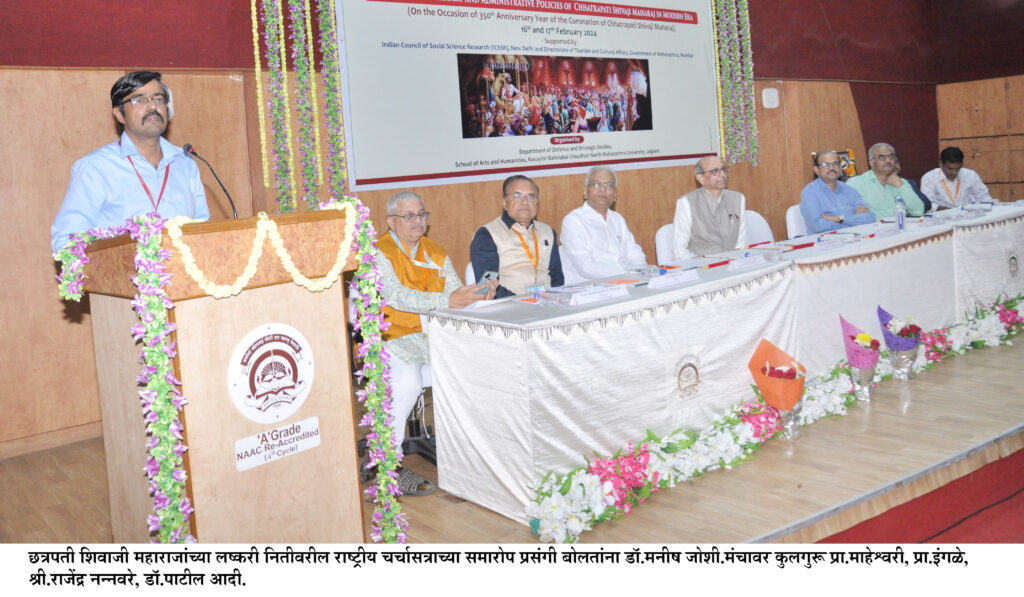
[(296, 491)]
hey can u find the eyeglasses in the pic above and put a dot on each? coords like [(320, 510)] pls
[(837, 164), (531, 197), (608, 186), (410, 218), (717, 171), (142, 100), (887, 157)]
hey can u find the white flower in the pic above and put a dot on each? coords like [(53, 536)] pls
[(553, 506)]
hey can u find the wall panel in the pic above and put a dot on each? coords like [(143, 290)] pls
[(972, 109), (207, 115), (47, 344), (1015, 105)]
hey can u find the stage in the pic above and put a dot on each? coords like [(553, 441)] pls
[(908, 440)]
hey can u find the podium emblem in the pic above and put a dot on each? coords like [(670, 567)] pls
[(270, 373)]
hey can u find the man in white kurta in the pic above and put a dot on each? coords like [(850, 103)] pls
[(952, 185), (596, 242), (710, 219)]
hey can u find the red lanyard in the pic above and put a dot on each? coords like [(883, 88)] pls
[(167, 173)]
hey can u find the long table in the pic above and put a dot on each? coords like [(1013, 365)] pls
[(522, 389)]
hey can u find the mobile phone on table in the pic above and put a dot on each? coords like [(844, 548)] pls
[(487, 277)]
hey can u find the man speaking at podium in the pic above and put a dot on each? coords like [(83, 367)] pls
[(139, 173)]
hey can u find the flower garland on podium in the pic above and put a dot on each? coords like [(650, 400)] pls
[(161, 399)]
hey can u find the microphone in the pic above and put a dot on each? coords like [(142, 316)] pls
[(191, 152)]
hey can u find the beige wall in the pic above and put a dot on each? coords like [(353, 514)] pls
[(50, 391)]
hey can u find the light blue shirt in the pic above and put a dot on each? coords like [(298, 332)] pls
[(105, 191), (818, 198)]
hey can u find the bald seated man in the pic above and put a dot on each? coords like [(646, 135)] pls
[(709, 220)]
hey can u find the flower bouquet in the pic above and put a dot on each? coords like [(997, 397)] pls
[(780, 381), (902, 338), (862, 352)]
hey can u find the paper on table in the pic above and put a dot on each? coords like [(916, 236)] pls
[(482, 304)]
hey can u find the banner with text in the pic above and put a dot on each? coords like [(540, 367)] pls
[(457, 90)]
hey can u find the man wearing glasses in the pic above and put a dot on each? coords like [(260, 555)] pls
[(595, 239), (417, 277), (880, 186), (522, 250), (709, 220), (139, 173), (828, 203)]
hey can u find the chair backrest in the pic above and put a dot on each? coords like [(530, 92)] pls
[(663, 244), (795, 225), (470, 278), (758, 230)]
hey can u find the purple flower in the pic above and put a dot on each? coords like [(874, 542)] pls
[(186, 508), (160, 500), (138, 331), (154, 522), (152, 468), (179, 449), (179, 475), (176, 429)]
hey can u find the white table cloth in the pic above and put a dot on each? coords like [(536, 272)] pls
[(520, 390)]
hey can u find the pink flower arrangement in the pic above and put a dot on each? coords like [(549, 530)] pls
[(937, 344), (765, 419), (628, 477), (1011, 319)]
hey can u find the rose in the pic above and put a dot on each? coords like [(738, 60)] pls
[(779, 372), (866, 341)]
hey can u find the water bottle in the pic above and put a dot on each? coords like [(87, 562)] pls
[(545, 297), (901, 214)]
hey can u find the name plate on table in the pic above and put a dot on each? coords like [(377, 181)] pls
[(598, 293), (828, 245), (673, 278), (884, 232), (745, 262)]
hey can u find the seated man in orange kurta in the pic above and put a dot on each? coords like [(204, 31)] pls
[(417, 277)]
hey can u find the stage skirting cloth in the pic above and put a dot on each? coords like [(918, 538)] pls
[(909, 274), (521, 390), (988, 259), (515, 400)]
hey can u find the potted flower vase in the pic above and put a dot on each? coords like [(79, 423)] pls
[(862, 379), (902, 362)]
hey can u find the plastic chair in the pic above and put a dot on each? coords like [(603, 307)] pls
[(663, 244), (758, 230), (795, 225)]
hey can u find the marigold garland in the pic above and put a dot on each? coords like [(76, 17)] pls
[(265, 228)]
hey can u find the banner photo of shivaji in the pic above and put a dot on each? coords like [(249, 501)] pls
[(506, 95)]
